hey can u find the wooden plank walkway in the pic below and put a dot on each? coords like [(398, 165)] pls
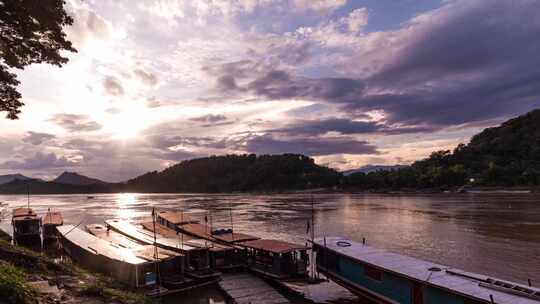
[(246, 288)]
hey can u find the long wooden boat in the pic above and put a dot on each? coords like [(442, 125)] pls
[(221, 257), (136, 268), (390, 278), (51, 221), (171, 273), (26, 225), (197, 254)]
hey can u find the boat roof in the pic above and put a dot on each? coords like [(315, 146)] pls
[(98, 246), (22, 214), (142, 250), (165, 231), (53, 218), (196, 229), (189, 239), (235, 237), (176, 217), (274, 246), (453, 280), (147, 237)]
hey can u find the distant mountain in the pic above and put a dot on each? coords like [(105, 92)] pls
[(35, 186), (4, 179), (73, 178), (230, 173), (372, 168)]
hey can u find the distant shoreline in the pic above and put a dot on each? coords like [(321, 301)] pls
[(454, 190)]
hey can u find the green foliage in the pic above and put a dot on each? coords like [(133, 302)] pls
[(508, 155), (30, 32), (111, 294), (13, 286), (231, 173)]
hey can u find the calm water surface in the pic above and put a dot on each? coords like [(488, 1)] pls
[(497, 235)]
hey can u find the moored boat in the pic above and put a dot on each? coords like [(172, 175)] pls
[(221, 257), (137, 268), (26, 226), (276, 259), (385, 277), (171, 264), (197, 254), (51, 221)]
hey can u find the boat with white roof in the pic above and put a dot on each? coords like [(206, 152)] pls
[(391, 278)]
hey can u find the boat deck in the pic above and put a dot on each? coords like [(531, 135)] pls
[(245, 288), (440, 276)]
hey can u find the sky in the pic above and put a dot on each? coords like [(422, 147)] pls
[(347, 82)]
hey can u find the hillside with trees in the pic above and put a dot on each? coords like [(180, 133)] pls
[(508, 155), (232, 173)]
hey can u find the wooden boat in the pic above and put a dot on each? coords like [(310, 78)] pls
[(136, 267), (26, 226), (51, 221), (276, 259), (183, 223), (197, 254), (171, 274), (221, 257), (385, 277)]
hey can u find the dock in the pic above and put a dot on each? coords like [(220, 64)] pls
[(246, 288)]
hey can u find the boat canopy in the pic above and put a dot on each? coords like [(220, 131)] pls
[(21, 214), (274, 246), (53, 218), (98, 246)]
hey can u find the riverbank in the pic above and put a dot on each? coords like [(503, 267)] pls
[(28, 277)]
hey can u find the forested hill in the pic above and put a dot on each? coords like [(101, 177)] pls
[(231, 173), (227, 173), (508, 155)]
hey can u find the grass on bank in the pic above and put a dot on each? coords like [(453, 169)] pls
[(18, 265), (13, 285)]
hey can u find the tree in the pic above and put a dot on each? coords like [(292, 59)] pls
[(31, 31)]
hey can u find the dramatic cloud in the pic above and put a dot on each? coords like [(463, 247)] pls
[(38, 162), (112, 86), (165, 80), (88, 25), (147, 78), (75, 123), (210, 118), (36, 138), (309, 146)]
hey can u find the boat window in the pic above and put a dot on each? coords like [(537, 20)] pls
[(373, 273)]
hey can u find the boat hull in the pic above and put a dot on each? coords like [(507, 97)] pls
[(128, 273)]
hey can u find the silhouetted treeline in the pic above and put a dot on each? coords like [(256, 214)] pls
[(35, 186), (508, 155), (232, 173)]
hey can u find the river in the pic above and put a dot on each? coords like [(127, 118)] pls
[(496, 235)]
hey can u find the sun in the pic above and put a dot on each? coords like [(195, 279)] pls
[(126, 125)]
